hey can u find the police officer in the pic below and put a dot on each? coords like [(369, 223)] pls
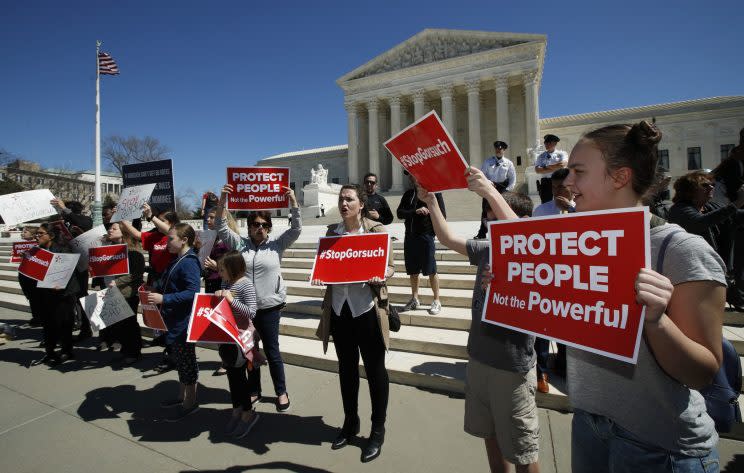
[(548, 162), (500, 170)]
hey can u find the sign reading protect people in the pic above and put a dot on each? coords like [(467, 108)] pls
[(257, 188), (571, 278), (351, 258), (427, 151)]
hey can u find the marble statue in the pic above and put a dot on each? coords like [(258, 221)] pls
[(319, 175)]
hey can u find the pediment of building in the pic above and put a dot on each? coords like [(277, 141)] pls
[(436, 45)]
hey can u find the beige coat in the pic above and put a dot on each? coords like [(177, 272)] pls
[(324, 328)]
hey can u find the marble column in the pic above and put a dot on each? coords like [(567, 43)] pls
[(531, 109), (353, 160), (419, 102), (711, 153), (474, 125), (395, 127), (374, 138), (502, 108), (448, 108)]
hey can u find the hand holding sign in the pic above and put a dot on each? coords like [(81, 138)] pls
[(654, 291), (129, 206), (257, 188)]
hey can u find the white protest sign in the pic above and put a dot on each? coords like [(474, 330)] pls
[(90, 239), (105, 308), (207, 239), (60, 271), (131, 201), (25, 206)]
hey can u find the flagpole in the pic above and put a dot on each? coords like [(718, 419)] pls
[(96, 210)]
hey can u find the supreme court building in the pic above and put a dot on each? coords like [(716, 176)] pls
[(485, 87)]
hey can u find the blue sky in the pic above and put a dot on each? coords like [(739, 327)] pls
[(230, 82)]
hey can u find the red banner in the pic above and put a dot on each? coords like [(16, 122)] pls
[(426, 150), (20, 247), (151, 316), (351, 258), (201, 329), (36, 262), (257, 188), (571, 278), (110, 260)]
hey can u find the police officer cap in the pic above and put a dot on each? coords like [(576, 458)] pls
[(551, 139), (500, 144)]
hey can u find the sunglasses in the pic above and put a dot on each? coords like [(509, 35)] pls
[(259, 225), (370, 182)]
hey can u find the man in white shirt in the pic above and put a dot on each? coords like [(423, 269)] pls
[(500, 170), (547, 163)]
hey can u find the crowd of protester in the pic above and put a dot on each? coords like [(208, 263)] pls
[(644, 417)]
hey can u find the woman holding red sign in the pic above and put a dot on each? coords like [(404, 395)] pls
[(181, 283), (352, 313), (127, 331), (648, 416), (59, 318), (263, 256)]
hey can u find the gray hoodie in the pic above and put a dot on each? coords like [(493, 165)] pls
[(263, 261)]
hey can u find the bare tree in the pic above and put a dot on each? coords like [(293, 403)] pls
[(185, 203), (7, 156), (119, 151)]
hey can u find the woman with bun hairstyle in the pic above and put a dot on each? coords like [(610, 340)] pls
[(352, 315), (648, 416), (181, 281)]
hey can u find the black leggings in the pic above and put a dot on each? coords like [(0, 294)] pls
[(352, 335), (237, 377), (58, 322)]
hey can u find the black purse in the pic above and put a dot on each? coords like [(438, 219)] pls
[(392, 311)]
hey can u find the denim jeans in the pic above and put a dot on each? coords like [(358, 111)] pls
[(267, 326), (600, 445)]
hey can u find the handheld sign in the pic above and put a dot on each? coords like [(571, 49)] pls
[(25, 206), (82, 243), (571, 278), (151, 316), (212, 321), (207, 239), (351, 258), (427, 151), (20, 247), (110, 260), (105, 308), (159, 173), (60, 271), (257, 188), (35, 263), (131, 201)]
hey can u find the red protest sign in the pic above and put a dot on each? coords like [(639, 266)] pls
[(426, 150), (110, 260), (151, 316), (201, 328), (571, 278), (257, 188), (351, 258), (36, 262), (20, 247)]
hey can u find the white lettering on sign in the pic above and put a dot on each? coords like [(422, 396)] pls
[(422, 154), (37, 260), (351, 254), (571, 244), (98, 259), (258, 176)]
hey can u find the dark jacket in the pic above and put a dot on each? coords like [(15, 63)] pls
[(378, 203), (417, 224), (83, 222), (181, 283), (708, 224)]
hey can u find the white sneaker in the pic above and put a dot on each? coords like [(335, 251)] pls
[(411, 305), (435, 308)]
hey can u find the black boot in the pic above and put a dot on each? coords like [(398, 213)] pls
[(374, 445), (348, 431)]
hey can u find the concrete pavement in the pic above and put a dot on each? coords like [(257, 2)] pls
[(91, 415)]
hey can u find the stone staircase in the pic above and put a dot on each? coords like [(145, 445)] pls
[(428, 352)]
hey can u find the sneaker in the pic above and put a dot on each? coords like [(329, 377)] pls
[(182, 412), (244, 428), (435, 308), (169, 403), (411, 305)]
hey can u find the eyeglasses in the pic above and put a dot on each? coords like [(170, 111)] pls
[(40, 234), (370, 182), (258, 225)]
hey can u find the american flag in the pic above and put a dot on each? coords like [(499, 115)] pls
[(107, 65)]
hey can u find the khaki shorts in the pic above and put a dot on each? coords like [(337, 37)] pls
[(501, 404)]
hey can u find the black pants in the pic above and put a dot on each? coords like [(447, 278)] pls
[(545, 189), (58, 323), (266, 323), (212, 285), (352, 335), (237, 376), (82, 278), (127, 332)]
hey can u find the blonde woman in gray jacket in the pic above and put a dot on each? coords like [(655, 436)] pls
[(263, 256)]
